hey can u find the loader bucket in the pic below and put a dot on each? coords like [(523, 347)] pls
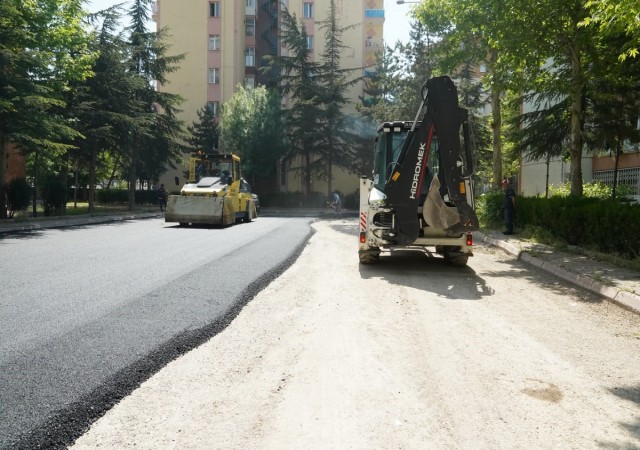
[(187, 209)]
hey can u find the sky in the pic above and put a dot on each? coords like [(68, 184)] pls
[(396, 23)]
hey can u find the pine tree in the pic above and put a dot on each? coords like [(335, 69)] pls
[(335, 81), (153, 143), (205, 132), (298, 81)]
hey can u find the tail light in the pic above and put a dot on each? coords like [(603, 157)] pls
[(469, 240), (363, 238)]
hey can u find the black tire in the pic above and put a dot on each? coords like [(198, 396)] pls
[(369, 258), (457, 260)]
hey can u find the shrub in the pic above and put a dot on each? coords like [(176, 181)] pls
[(593, 189), (54, 195), (18, 194), (489, 209)]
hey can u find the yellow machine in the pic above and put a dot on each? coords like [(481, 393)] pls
[(215, 194)]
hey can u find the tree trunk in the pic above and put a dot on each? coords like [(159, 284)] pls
[(133, 178), (75, 183), (615, 170), (307, 174), (64, 177), (92, 179), (496, 125), (35, 183), (577, 85), (113, 172), (3, 176), (496, 128)]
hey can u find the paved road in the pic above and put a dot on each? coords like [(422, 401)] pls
[(89, 313)]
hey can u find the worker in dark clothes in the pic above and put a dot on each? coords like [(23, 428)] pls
[(509, 205)]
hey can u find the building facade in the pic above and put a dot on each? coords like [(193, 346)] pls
[(224, 41)]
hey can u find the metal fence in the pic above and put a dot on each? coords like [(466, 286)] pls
[(630, 178)]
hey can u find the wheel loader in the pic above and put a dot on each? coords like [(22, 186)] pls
[(420, 195), (215, 194)]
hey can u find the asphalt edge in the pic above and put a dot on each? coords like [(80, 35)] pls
[(71, 221), (625, 299)]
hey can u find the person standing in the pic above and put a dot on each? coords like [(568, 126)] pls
[(509, 206), (162, 197)]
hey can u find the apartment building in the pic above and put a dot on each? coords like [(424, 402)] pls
[(224, 41)]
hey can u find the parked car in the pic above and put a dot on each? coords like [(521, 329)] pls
[(257, 200)]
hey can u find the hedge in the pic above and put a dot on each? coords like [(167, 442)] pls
[(118, 196), (608, 225)]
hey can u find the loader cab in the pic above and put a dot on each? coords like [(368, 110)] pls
[(390, 138)]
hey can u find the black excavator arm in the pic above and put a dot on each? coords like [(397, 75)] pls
[(444, 118)]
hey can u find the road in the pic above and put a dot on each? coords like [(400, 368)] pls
[(89, 313), (406, 354)]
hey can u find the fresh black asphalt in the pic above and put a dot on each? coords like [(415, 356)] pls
[(53, 388)]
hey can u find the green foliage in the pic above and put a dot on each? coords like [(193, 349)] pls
[(252, 127), (593, 189), (595, 222), (317, 129), (205, 132), (54, 195), (121, 196), (414, 63), (489, 209), (43, 50), (18, 194), (380, 88), (617, 17)]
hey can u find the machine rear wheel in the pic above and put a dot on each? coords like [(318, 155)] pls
[(456, 260), (369, 258)]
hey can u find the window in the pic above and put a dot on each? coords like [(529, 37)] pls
[(250, 26), (307, 11), (250, 57), (309, 42), (250, 3), (377, 13), (213, 108), (250, 82), (214, 76), (214, 9), (214, 42)]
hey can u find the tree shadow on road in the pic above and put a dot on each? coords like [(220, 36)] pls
[(631, 394), (429, 273)]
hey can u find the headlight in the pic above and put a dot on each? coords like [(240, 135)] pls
[(376, 197)]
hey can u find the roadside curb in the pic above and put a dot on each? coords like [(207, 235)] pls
[(65, 221), (627, 300)]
